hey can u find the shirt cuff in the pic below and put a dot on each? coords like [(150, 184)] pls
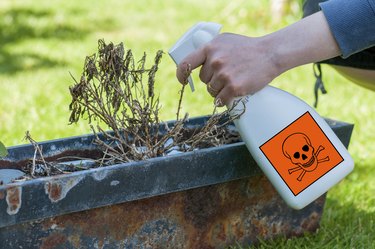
[(352, 24)]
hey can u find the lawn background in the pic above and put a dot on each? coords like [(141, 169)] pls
[(41, 42)]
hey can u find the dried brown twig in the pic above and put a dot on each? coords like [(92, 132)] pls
[(37, 150), (44, 168), (119, 92)]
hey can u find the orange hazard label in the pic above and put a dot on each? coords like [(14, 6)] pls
[(301, 153)]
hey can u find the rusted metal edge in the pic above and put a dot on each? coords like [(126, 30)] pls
[(52, 196)]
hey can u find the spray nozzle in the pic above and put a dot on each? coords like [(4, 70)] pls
[(194, 38)]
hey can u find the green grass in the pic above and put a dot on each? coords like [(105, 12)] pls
[(42, 41)]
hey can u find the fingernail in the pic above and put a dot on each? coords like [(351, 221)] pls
[(187, 73), (218, 102), (188, 69)]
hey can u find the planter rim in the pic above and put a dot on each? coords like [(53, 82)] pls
[(92, 188)]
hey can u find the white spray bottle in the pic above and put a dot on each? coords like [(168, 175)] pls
[(293, 145)]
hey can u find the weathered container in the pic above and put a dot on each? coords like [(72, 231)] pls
[(209, 198)]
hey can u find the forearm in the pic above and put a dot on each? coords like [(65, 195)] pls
[(306, 41), (235, 65)]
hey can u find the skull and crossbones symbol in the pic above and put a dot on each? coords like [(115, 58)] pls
[(298, 149)]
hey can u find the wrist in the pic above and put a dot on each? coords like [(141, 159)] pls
[(268, 49), (306, 41), (277, 55)]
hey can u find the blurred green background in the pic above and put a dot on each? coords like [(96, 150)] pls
[(42, 41)]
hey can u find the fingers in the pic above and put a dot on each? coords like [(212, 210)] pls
[(206, 72), (212, 90), (223, 97), (219, 89), (220, 92), (219, 71), (215, 86), (218, 85), (189, 63)]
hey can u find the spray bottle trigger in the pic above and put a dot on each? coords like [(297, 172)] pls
[(201, 37), (194, 38), (191, 84)]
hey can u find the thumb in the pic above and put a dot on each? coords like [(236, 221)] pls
[(189, 63)]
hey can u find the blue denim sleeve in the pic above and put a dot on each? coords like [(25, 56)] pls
[(352, 23)]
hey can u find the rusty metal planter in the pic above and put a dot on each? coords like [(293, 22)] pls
[(210, 198)]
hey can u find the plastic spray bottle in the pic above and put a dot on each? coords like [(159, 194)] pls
[(291, 143)]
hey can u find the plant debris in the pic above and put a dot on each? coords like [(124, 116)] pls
[(40, 166), (118, 91)]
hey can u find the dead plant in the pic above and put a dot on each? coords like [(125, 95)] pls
[(117, 91)]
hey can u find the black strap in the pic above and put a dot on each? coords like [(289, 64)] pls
[(318, 83)]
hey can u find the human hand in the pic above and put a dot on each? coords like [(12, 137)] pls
[(235, 65), (232, 66)]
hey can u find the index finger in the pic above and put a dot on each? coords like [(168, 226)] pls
[(189, 63)]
